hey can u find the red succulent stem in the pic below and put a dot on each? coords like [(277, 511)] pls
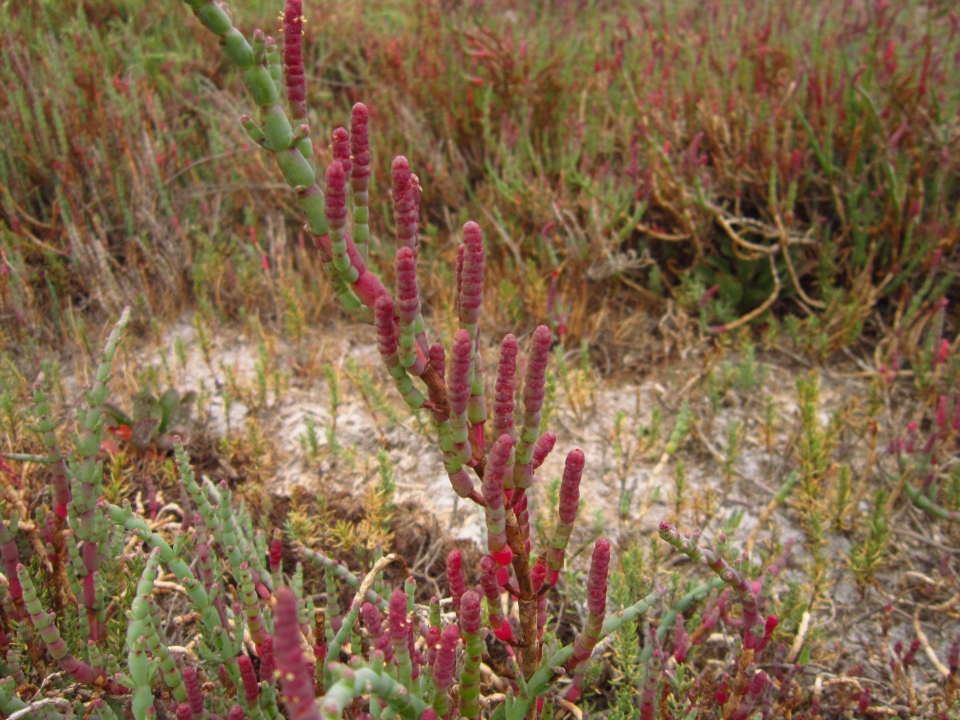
[(406, 205), (336, 205), (294, 76), (388, 345), (470, 617), (360, 150), (416, 657), (458, 393), (248, 676), (341, 150), (458, 585), (408, 310), (471, 298), (567, 508), (491, 590), (523, 521), (494, 510), (750, 594), (443, 668), (431, 636), (503, 404), (648, 696), (276, 557), (373, 621), (681, 640), (534, 392), (596, 604), (296, 678), (360, 176), (471, 276), (192, 684), (398, 630), (265, 653), (543, 448), (756, 685), (347, 260)]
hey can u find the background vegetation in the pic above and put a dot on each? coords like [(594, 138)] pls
[(756, 204), (803, 158)]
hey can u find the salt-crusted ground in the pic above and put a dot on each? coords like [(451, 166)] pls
[(588, 423)]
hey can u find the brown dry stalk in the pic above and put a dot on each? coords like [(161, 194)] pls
[(438, 389), (785, 251), (951, 692), (739, 684), (665, 700), (492, 700), (758, 310), (925, 644), (755, 251), (786, 708), (576, 712), (705, 699), (529, 646), (665, 237), (798, 641), (371, 576)]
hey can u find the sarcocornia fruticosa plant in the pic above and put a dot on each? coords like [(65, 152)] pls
[(395, 671), (260, 648)]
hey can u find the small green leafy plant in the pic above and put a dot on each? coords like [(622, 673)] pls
[(155, 421)]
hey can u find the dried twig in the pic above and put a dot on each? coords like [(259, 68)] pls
[(61, 703), (367, 584), (797, 645), (756, 311), (925, 644)]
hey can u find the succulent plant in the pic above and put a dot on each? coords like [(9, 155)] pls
[(155, 421), (260, 647)]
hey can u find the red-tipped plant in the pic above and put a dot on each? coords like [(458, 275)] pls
[(458, 585), (296, 677), (444, 667), (406, 204), (596, 603), (566, 514), (491, 590), (360, 176), (294, 75), (534, 392), (493, 499)]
